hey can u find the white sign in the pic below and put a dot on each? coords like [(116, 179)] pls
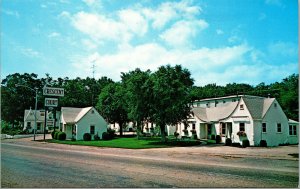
[(50, 122), (51, 102), (50, 91)]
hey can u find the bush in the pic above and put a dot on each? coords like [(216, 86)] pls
[(218, 139), (228, 142), (263, 143), (176, 134), (87, 137), (106, 136), (61, 136), (213, 137), (236, 144), (111, 133), (56, 135), (52, 134), (245, 143), (96, 137)]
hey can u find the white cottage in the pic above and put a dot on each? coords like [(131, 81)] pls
[(40, 120), (230, 117), (77, 121)]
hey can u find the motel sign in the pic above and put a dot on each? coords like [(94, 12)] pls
[(51, 102), (51, 91)]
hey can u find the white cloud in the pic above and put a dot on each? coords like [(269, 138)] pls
[(219, 32), (168, 11), (11, 13), (283, 48), (30, 52), (181, 33), (53, 34), (101, 27), (152, 55), (64, 14), (88, 44), (133, 21)]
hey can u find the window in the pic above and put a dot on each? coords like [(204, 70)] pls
[(279, 127), (92, 129), (194, 126), (38, 126), (241, 106), (275, 105), (293, 129), (242, 126), (264, 127), (223, 131)]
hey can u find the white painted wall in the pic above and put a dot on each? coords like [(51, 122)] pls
[(273, 116), (83, 125)]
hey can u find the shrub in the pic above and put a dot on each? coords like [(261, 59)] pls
[(111, 133), (87, 137), (228, 142), (245, 143), (52, 134), (195, 136), (176, 134), (236, 144), (56, 135), (218, 139), (241, 134), (263, 143), (61, 136), (96, 137), (106, 136), (213, 137)]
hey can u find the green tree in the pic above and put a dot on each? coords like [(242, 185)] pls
[(111, 105), (171, 89), (15, 99), (138, 96)]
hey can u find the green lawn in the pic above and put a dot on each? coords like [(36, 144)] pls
[(130, 143)]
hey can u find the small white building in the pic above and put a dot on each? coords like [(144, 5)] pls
[(241, 117), (40, 120), (75, 122)]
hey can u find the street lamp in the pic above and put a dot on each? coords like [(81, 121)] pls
[(35, 107)]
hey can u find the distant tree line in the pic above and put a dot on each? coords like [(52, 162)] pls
[(161, 97)]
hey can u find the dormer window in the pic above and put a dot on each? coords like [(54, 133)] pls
[(93, 112), (242, 107), (275, 105)]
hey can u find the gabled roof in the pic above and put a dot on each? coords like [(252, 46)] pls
[(258, 106), (73, 115), (29, 115), (214, 114), (293, 121)]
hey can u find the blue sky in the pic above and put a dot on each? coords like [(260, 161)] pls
[(219, 41)]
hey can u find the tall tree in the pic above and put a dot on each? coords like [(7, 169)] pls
[(111, 105), (15, 99), (171, 89), (138, 92)]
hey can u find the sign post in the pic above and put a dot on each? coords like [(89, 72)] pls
[(52, 103)]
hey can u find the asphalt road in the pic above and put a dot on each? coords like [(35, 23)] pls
[(36, 164)]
